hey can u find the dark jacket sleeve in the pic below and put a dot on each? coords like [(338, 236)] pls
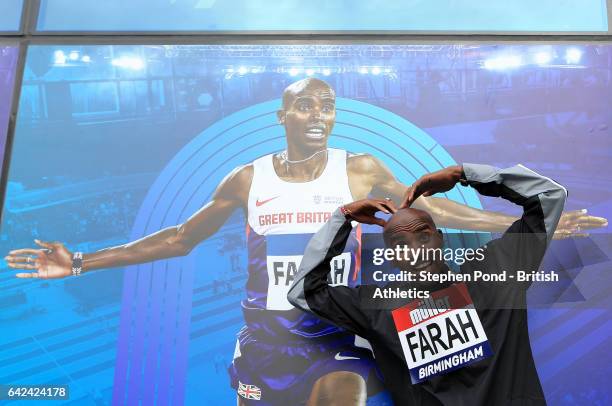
[(524, 243), (310, 290)]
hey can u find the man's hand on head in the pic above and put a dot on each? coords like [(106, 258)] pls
[(436, 182), (364, 210)]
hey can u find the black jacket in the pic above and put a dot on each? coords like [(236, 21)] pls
[(508, 376)]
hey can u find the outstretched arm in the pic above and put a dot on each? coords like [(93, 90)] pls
[(181, 239), (447, 213), (53, 260)]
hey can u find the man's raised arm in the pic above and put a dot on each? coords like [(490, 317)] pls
[(310, 290), (447, 213), (525, 241), (542, 198)]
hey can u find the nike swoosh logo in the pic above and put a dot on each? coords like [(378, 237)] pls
[(262, 202), (339, 357)]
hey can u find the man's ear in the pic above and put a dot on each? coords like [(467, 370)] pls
[(280, 114)]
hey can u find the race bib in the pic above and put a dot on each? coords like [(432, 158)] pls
[(283, 268), (441, 334)]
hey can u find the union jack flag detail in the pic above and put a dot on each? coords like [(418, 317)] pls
[(249, 391)]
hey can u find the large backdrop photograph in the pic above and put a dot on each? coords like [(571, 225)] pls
[(117, 142)]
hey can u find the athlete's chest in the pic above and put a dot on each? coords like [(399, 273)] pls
[(293, 211)]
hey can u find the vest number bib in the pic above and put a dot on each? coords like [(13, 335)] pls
[(283, 268), (441, 334)]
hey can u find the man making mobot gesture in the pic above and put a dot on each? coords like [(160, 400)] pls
[(467, 344)]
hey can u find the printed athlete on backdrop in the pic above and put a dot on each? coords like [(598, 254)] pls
[(284, 355)]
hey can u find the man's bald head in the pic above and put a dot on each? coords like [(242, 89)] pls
[(407, 221), (308, 115), (312, 85)]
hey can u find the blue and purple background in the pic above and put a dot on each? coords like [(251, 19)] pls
[(116, 142)]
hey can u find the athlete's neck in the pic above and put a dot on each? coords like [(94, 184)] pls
[(295, 155), (300, 165)]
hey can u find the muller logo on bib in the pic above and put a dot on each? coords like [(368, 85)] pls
[(441, 334)]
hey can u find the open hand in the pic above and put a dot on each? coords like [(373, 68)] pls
[(574, 224), (52, 261)]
